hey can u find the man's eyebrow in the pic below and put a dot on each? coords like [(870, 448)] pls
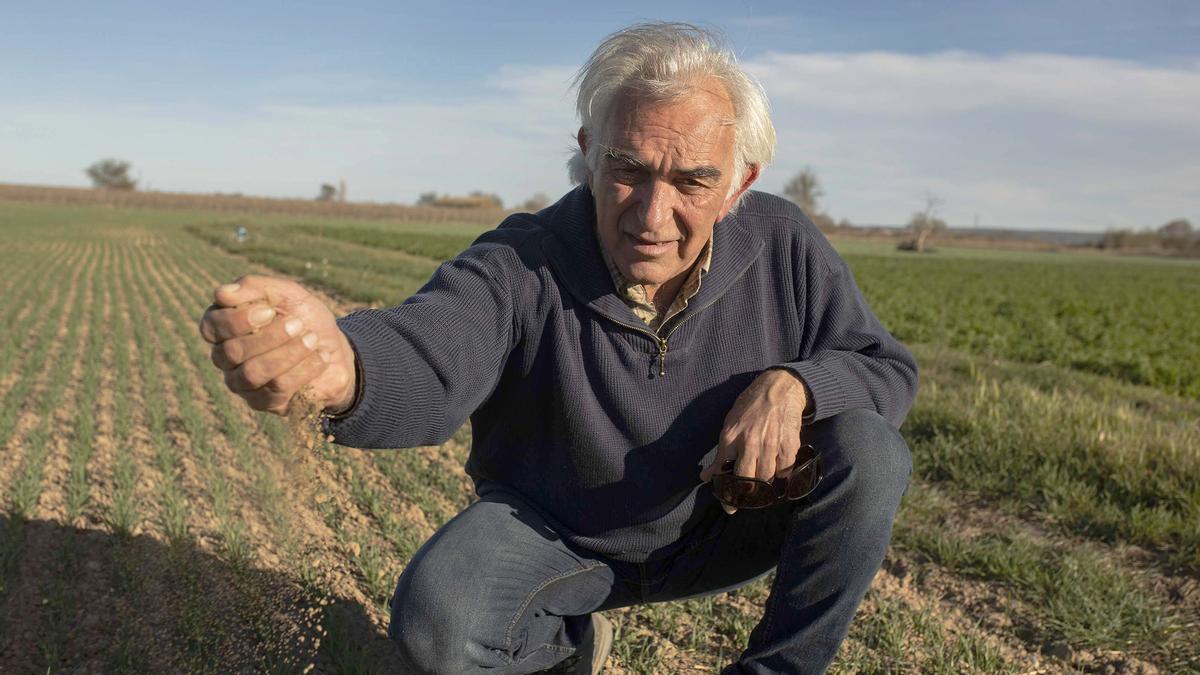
[(702, 172), (623, 157), (630, 161)]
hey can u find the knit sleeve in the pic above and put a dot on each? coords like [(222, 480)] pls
[(848, 359), (427, 364)]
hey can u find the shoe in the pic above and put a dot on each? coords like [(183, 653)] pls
[(589, 658)]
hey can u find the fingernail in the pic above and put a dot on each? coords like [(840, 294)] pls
[(293, 326), (229, 288), (261, 315), (310, 340), (326, 357)]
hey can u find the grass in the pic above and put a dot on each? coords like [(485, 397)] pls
[(1077, 593), (1100, 458), (1086, 467), (898, 638), (84, 427), (1131, 321), (195, 414), (353, 270), (27, 486)]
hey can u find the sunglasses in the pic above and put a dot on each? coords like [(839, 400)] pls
[(794, 482)]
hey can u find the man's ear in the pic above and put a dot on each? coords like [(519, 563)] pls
[(582, 137), (752, 172)]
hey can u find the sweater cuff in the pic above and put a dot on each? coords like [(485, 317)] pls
[(392, 380), (824, 390), (358, 390)]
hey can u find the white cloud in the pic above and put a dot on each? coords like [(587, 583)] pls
[(889, 84), (1025, 140)]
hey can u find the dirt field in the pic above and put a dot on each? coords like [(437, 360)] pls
[(153, 523)]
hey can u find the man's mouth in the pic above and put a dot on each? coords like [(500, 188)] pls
[(648, 246)]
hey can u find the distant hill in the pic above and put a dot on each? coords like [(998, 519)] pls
[(1057, 237)]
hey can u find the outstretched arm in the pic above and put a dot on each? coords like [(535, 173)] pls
[(427, 364)]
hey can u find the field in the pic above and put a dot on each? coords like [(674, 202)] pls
[(152, 523)]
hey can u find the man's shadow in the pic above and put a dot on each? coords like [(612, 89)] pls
[(86, 600)]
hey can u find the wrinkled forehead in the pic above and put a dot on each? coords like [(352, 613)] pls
[(700, 109)]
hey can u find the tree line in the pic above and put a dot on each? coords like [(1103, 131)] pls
[(1176, 237)]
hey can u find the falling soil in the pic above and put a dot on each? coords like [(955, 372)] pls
[(304, 425)]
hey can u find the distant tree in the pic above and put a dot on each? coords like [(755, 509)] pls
[(327, 193), (1177, 234), (111, 174), (804, 189), (427, 199), (537, 202), (923, 225)]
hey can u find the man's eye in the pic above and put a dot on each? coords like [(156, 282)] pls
[(627, 175)]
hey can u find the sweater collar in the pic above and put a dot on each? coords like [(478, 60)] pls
[(574, 252)]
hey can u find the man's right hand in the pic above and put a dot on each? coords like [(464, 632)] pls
[(274, 339)]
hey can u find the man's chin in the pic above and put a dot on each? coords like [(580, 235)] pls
[(646, 274)]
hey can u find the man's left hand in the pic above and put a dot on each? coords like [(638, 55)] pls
[(762, 430)]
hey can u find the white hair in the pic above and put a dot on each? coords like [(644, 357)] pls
[(663, 61)]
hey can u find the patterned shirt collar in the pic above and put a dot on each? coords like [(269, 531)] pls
[(634, 294)]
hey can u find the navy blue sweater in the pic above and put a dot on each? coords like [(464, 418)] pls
[(576, 405)]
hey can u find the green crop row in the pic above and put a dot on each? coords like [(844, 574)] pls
[(1131, 320)]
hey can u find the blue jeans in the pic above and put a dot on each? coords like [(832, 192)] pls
[(496, 589)]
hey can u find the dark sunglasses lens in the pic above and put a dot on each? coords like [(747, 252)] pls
[(741, 492), (804, 478)]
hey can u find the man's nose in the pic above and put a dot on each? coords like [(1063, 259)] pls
[(658, 204)]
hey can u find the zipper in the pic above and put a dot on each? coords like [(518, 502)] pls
[(662, 339), (662, 357)]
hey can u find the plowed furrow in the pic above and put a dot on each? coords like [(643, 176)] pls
[(74, 403), (31, 404), (38, 307), (114, 380)]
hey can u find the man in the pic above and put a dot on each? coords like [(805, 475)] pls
[(602, 347)]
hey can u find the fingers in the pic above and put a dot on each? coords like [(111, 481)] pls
[(726, 450), (219, 324), (254, 288), (233, 352), (266, 370), (279, 394), (759, 450)]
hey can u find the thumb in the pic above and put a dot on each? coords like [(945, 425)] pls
[(253, 288)]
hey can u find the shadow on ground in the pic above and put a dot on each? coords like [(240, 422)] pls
[(85, 600)]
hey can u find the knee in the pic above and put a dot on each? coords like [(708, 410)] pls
[(432, 633), (863, 452)]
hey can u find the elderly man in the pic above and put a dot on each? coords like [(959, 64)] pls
[(638, 361)]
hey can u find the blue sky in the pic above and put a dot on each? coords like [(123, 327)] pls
[(1066, 115)]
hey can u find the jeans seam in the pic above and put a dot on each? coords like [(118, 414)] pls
[(529, 598)]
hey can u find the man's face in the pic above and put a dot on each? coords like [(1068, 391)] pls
[(663, 182)]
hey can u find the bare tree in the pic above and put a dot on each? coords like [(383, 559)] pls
[(111, 174), (924, 224), (804, 189), (327, 193)]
